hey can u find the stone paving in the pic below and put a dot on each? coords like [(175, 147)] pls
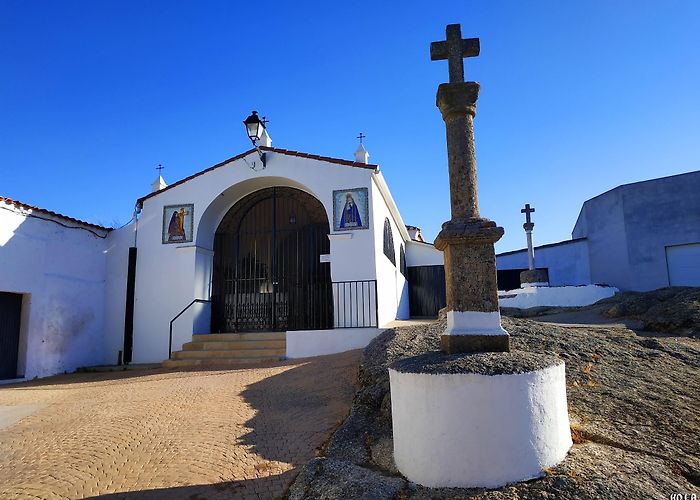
[(172, 434)]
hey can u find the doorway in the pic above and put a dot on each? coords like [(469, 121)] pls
[(10, 313), (268, 274)]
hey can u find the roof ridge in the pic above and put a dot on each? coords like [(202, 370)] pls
[(27, 206), (339, 161)]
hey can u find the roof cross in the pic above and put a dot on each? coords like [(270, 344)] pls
[(454, 49), (160, 168), (361, 136)]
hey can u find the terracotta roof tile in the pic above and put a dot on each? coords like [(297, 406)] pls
[(25, 206), (287, 152)]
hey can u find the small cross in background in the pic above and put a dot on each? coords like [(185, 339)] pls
[(527, 211), (361, 136), (160, 168)]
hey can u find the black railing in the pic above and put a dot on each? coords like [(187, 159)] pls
[(355, 304), (170, 342)]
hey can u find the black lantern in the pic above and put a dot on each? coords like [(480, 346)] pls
[(254, 127)]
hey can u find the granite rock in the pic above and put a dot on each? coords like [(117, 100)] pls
[(632, 404)]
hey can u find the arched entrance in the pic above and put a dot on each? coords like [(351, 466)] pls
[(267, 270)]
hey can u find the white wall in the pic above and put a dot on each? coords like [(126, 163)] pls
[(117, 259), (61, 273), (567, 262), (423, 254), (169, 276), (307, 343), (560, 296), (392, 286)]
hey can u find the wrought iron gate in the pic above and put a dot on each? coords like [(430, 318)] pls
[(267, 270)]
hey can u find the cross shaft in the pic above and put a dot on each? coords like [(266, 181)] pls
[(454, 49)]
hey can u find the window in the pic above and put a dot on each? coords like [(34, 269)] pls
[(402, 260), (389, 242)]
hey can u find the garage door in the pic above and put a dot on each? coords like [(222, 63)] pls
[(683, 264)]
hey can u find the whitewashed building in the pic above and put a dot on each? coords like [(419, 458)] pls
[(309, 249)]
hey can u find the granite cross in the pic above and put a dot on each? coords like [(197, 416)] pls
[(454, 49), (527, 211), (528, 226)]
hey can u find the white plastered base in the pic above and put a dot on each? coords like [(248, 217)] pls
[(470, 430), (474, 323)]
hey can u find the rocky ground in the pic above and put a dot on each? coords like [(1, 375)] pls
[(633, 404)]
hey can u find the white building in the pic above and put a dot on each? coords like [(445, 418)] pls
[(310, 246), (640, 236)]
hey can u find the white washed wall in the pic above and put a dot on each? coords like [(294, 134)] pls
[(117, 259), (168, 277), (568, 262), (423, 254), (61, 273), (392, 286)]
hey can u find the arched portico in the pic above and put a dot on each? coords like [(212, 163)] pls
[(267, 273)]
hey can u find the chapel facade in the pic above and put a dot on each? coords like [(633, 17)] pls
[(306, 250)]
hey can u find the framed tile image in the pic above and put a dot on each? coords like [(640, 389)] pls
[(178, 223), (350, 209)]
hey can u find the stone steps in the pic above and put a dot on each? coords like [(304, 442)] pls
[(229, 350), (228, 337), (230, 353), (242, 345), (214, 362)]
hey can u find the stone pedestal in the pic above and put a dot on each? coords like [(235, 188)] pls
[(473, 317), (534, 277), (502, 418)]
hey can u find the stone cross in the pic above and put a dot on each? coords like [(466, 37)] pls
[(527, 211), (528, 226), (473, 318), (454, 49)]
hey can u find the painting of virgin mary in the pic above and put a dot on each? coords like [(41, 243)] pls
[(351, 215), (350, 209)]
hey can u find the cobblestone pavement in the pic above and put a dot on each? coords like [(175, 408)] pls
[(173, 434)]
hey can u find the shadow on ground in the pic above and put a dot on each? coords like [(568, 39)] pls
[(250, 488)]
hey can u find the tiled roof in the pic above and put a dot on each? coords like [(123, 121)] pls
[(25, 206), (287, 152)]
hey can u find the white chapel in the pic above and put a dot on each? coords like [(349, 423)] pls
[(305, 254)]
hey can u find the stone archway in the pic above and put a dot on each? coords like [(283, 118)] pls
[(267, 273)]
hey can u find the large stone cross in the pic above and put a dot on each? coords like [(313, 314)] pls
[(454, 49)]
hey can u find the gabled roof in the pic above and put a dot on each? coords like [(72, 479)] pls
[(287, 152), (25, 206)]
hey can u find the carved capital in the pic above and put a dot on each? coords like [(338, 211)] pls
[(472, 231), (457, 98)]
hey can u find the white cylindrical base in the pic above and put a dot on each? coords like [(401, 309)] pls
[(474, 430)]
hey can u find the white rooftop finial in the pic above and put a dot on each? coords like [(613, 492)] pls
[(265, 139), (159, 183), (361, 154)]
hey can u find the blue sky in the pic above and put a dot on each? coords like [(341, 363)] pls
[(576, 98)]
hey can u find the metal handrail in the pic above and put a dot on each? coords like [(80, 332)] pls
[(170, 343)]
